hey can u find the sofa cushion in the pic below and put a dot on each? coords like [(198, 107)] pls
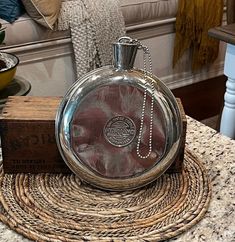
[(26, 31), (142, 11), (10, 10), (43, 11)]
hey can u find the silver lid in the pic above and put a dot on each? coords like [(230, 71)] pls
[(124, 53)]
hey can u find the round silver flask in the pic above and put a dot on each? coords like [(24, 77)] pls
[(119, 127)]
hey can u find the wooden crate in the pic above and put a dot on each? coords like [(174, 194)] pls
[(28, 135), (27, 127), (177, 165)]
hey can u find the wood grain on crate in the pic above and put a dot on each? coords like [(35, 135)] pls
[(28, 136), (31, 108)]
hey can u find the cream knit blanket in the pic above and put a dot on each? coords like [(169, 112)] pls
[(94, 25)]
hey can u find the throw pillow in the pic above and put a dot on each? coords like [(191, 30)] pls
[(43, 11), (10, 10)]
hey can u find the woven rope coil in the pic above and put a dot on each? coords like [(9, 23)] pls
[(48, 207)]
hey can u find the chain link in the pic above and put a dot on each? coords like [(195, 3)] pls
[(146, 54)]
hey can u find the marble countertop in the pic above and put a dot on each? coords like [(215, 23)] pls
[(218, 155)]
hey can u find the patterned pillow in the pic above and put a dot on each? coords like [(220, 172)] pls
[(10, 10), (45, 12)]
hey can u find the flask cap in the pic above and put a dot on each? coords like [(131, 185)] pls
[(124, 53)]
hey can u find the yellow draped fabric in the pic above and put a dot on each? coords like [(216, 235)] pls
[(194, 19)]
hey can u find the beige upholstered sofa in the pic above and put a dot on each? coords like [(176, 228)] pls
[(46, 56)]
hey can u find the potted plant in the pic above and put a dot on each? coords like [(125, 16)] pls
[(8, 63)]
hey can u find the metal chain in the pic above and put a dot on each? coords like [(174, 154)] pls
[(145, 55)]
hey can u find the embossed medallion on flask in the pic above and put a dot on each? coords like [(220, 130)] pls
[(120, 131)]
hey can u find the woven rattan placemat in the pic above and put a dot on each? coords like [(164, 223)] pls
[(48, 207)]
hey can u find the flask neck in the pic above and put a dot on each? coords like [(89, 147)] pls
[(124, 54)]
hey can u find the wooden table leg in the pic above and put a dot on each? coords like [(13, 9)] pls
[(227, 125)]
